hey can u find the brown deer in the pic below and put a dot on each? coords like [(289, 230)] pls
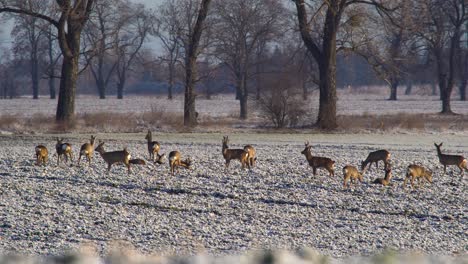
[(388, 176), (448, 160), (112, 157), (153, 146), (351, 173), (376, 156), (251, 157), (318, 162), (87, 150), (234, 154), (419, 172), (63, 149), (175, 161), (42, 154)]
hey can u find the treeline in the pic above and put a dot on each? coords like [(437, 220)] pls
[(269, 50)]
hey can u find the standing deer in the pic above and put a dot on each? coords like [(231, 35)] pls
[(351, 173), (388, 176), (175, 161), (318, 162), (448, 160), (376, 156), (251, 158), (114, 157), (153, 146), (416, 171), (235, 154), (42, 154), (87, 150), (64, 149)]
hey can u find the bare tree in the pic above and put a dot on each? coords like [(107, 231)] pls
[(244, 27), (73, 16), (135, 25), (327, 14), (100, 36), (191, 54), (169, 28), (440, 26), (29, 40)]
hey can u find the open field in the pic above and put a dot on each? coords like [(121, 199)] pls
[(277, 205), (357, 113)]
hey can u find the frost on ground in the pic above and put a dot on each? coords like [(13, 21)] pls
[(279, 205)]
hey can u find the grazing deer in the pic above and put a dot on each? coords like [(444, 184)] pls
[(153, 146), (64, 149), (350, 173), (318, 162), (87, 150), (160, 158), (416, 171), (114, 156), (251, 155), (42, 154), (234, 154), (376, 156), (175, 161), (388, 176), (448, 160)]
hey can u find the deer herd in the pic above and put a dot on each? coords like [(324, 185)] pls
[(247, 157)]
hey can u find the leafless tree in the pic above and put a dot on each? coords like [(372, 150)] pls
[(319, 33), (191, 40), (169, 28), (440, 27), (29, 40), (73, 16), (135, 26), (99, 36), (243, 29)]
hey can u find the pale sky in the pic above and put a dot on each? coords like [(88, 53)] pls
[(5, 28)]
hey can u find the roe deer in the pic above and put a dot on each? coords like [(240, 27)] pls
[(42, 154), (175, 161), (376, 156), (351, 173), (153, 146), (64, 149), (236, 154), (318, 162), (251, 155), (416, 171), (388, 176), (87, 150), (114, 156), (448, 160)]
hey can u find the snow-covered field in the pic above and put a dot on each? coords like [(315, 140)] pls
[(280, 204), (226, 105)]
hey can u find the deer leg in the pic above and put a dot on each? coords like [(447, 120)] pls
[(314, 170), (445, 169), (108, 168), (128, 167), (377, 164), (412, 183), (404, 182), (58, 159), (89, 161)]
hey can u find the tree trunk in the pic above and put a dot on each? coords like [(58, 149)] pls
[(393, 90), (121, 83), (66, 100), (433, 88), (52, 88), (190, 118), (190, 115), (462, 89), (304, 90), (171, 81), (120, 89), (101, 86), (243, 96), (409, 87), (35, 76)]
